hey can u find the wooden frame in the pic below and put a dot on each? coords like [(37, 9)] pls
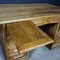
[(38, 14)]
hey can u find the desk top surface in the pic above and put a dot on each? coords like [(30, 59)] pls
[(19, 12)]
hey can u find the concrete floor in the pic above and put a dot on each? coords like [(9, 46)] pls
[(44, 53), (41, 53)]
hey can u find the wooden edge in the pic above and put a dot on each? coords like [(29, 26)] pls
[(46, 20), (42, 42), (31, 18), (37, 44)]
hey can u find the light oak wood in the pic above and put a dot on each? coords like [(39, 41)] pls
[(24, 36), (27, 36), (20, 12)]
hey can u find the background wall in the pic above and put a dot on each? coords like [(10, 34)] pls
[(56, 2)]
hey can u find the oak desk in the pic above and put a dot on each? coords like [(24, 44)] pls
[(38, 14)]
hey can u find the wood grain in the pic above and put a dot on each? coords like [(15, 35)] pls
[(20, 12), (27, 36), (24, 36), (3, 40)]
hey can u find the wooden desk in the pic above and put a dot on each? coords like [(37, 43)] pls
[(10, 13), (38, 14)]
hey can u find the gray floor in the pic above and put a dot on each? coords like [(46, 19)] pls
[(44, 53), (41, 53)]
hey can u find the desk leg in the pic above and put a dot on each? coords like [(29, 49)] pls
[(3, 38)]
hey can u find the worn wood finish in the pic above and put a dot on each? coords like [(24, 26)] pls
[(3, 40), (24, 36), (20, 12), (27, 36)]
